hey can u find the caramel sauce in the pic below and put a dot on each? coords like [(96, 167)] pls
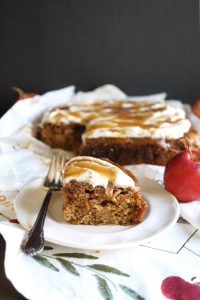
[(89, 118), (58, 116), (121, 114), (64, 114), (118, 114), (119, 107), (78, 167), (74, 114), (72, 171), (122, 123), (105, 109)]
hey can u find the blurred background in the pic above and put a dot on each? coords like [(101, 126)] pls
[(142, 46)]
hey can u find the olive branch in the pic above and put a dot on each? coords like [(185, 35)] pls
[(104, 284)]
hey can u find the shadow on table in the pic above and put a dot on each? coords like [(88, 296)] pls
[(7, 291)]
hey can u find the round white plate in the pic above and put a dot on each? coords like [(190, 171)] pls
[(161, 215)]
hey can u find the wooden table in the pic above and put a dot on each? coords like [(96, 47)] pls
[(7, 291)]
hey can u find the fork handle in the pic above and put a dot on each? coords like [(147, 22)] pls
[(33, 242)]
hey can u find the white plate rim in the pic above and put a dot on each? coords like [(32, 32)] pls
[(171, 205)]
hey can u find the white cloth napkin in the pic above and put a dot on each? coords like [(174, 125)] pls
[(23, 159)]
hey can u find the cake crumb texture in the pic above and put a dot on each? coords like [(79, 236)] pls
[(85, 204)]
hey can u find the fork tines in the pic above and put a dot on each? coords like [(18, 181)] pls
[(53, 178)]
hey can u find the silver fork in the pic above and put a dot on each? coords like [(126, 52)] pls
[(33, 243)]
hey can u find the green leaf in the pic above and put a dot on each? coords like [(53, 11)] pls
[(48, 248), (67, 265), (43, 261), (131, 292), (107, 269), (76, 255), (104, 289)]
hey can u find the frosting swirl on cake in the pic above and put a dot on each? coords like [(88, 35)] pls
[(96, 172), (123, 119), (168, 123)]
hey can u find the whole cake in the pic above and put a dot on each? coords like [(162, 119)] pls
[(97, 191), (125, 131)]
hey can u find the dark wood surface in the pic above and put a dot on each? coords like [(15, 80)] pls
[(7, 291)]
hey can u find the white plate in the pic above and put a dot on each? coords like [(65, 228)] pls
[(161, 215)]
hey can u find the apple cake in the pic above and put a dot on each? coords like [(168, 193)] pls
[(126, 132), (97, 191)]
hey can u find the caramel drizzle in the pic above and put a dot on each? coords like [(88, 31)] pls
[(117, 116), (123, 122), (78, 167), (103, 109)]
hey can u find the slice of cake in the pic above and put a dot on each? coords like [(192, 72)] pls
[(97, 191)]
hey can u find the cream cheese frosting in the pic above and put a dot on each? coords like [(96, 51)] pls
[(123, 119), (96, 172), (168, 124)]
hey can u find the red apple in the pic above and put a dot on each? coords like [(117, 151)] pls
[(21, 94), (182, 176), (175, 288)]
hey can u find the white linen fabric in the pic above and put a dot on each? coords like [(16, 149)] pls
[(23, 159)]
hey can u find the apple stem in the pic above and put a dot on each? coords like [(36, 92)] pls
[(18, 90), (190, 151)]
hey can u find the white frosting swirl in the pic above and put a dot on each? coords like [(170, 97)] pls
[(167, 123), (123, 119), (59, 115), (96, 172)]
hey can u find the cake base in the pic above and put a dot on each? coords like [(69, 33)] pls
[(85, 204), (64, 136), (127, 151)]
